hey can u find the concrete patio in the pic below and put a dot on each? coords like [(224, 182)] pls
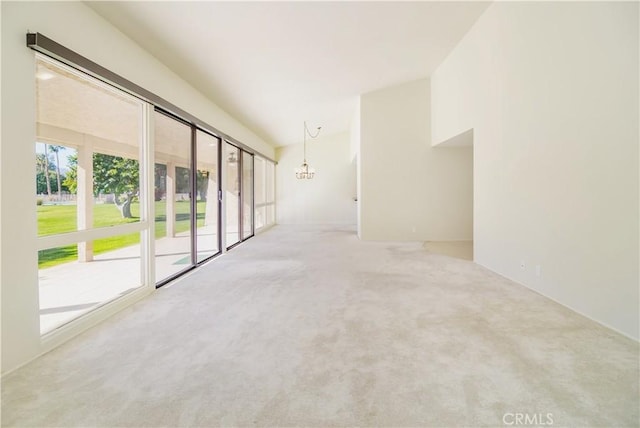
[(71, 289)]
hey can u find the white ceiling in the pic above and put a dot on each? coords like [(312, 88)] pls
[(273, 65)]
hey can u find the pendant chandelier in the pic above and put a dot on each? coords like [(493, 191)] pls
[(305, 171)]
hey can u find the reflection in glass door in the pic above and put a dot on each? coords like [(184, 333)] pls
[(172, 197), (232, 193), (207, 189)]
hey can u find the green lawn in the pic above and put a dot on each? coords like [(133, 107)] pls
[(54, 219)]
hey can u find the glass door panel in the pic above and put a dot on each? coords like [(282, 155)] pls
[(247, 195), (232, 193), (207, 204), (172, 197), (259, 192), (87, 165)]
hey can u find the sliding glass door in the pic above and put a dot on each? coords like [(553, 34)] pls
[(172, 196), (232, 194), (187, 221), (90, 196), (239, 197), (126, 193), (247, 195), (207, 196)]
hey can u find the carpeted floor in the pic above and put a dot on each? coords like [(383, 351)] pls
[(311, 327)]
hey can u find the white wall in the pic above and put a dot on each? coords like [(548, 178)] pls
[(76, 26), (410, 191), (328, 197), (551, 92)]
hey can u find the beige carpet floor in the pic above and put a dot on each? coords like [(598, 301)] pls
[(311, 327)]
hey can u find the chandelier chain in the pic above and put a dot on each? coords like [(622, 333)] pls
[(307, 131), (306, 172), (304, 144)]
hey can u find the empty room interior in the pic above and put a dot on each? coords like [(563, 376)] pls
[(320, 214)]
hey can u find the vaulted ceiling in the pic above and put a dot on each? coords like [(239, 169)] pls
[(273, 65)]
